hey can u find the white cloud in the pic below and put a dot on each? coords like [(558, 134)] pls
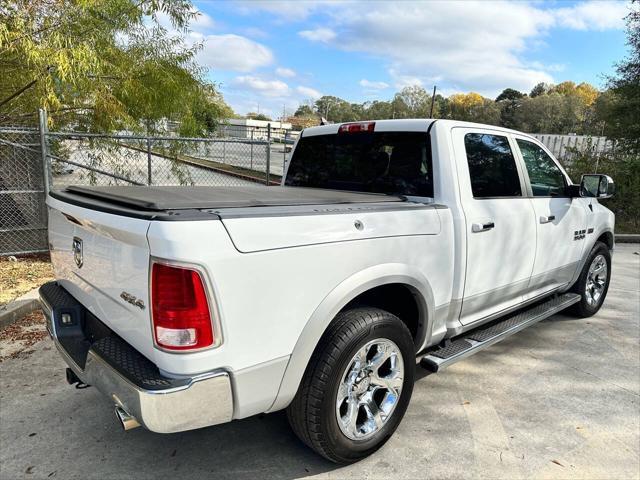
[(285, 72), (322, 35), (471, 45), (270, 95), (261, 86), (593, 15), (290, 10), (308, 92), (482, 46), (255, 32), (401, 81), (373, 85), (548, 67), (202, 22), (233, 52)]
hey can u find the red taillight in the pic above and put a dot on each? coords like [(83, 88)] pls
[(181, 317), (357, 127)]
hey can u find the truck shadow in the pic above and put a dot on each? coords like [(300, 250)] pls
[(258, 447)]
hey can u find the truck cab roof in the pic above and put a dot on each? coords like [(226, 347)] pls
[(406, 125)]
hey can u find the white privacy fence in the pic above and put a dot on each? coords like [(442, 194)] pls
[(562, 145)]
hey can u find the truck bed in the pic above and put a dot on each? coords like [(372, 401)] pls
[(163, 198)]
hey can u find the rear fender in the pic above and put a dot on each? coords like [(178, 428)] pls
[(335, 301)]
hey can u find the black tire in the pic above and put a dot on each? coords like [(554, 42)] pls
[(583, 308), (312, 413)]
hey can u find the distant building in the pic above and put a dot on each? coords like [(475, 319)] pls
[(254, 129)]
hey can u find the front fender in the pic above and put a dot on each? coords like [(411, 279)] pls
[(585, 254), (335, 301)]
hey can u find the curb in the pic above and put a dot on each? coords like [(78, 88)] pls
[(627, 238), (20, 307)]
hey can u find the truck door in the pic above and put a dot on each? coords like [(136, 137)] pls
[(560, 219), (499, 220)]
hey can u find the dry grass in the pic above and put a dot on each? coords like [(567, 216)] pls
[(17, 339), (22, 275)]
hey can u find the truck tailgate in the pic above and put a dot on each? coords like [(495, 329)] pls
[(103, 261)]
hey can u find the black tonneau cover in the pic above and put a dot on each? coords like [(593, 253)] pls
[(163, 198)]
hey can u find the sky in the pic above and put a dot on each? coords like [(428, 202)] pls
[(270, 56)]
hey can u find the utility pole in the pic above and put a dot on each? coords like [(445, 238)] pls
[(433, 99)]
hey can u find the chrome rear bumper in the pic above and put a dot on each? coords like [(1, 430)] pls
[(159, 403)]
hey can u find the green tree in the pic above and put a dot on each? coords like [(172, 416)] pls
[(509, 94), (257, 116), (561, 109), (509, 102), (440, 106), (378, 110), (624, 168), (540, 89), (304, 110), (549, 113), (473, 107), (416, 102), (336, 109), (103, 65), (620, 110), (563, 88)]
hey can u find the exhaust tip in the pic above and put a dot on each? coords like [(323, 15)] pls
[(127, 421)]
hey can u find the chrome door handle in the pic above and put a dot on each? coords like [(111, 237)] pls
[(548, 219), (482, 227)]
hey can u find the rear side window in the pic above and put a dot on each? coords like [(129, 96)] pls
[(378, 162), (492, 167), (546, 178)]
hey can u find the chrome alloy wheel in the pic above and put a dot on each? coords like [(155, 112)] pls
[(596, 280), (369, 389)]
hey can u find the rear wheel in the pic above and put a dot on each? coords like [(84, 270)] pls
[(593, 283), (357, 386)]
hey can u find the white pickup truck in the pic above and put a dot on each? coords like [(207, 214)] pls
[(390, 244)]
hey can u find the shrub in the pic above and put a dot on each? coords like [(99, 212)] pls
[(624, 168)]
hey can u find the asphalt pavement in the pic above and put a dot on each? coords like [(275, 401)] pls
[(558, 400)]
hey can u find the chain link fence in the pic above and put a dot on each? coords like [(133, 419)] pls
[(83, 158), (23, 220), (233, 156), (86, 159)]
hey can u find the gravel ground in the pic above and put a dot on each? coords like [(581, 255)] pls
[(559, 400)]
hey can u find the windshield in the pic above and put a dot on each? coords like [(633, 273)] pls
[(379, 162)]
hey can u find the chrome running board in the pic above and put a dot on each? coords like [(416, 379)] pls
[(476, 340)]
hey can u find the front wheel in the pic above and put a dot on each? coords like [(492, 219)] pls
[(357, 386), (593, 283)]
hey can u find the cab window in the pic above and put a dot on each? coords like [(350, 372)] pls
[(396, 163), (492, 166), (545, 176)]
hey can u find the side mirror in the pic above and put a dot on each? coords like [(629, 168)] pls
[(598, 186)]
